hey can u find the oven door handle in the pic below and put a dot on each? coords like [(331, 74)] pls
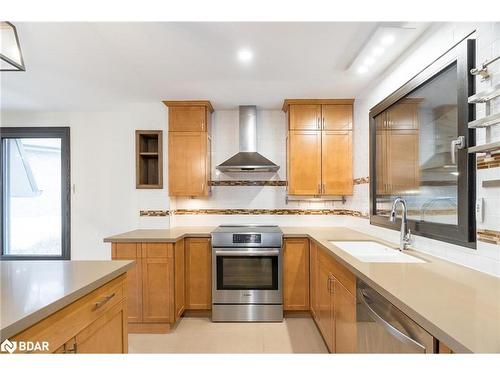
[(247, 252)]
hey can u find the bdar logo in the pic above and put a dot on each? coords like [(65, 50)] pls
[(8, 346)]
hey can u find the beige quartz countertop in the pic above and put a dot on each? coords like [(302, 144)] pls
[(456, 304), (33, 290)]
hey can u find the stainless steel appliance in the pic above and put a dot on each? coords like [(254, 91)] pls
[(246, 273), (383, 328), (248, 159)]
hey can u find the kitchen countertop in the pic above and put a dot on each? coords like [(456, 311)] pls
[(33, 290), (457, 305)]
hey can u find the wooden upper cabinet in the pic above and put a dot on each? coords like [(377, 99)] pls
[(189, 161), (158, 282), (336, 163), (188, 164), (403, 114), (187, 119), (403, 167), (336, 116), (296, 274), (198, 274), (304, 117), (189, 116), (319, 147), (304, 162)]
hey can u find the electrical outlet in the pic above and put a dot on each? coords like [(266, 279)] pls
[(479, 210)]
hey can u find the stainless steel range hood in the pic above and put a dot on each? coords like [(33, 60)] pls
[(248, 159)]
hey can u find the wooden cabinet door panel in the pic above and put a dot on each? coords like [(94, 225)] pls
[(187, 119), (403, 168), (381, 162), (106, 335), (188, 163), (132, 251), (304, 157), (336, 116), (180, 286), (313, 279), (198, 274), (345, 319), (158, 283), (304, 117), (337, 163), (296, 274), (403, 115), (325, 308)]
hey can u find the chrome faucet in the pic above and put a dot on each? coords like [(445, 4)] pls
[(405, 234)]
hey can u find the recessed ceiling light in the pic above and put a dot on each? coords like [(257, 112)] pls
[(378, 51), (362, 69), (369, 61), (388, 39), (245, 55)]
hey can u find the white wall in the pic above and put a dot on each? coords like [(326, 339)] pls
[(436, 41), (105, 200)]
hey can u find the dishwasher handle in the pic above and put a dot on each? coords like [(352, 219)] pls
[(388, 326)]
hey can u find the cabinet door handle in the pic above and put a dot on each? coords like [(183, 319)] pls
[(323, 124), (102, 302), (319, 188), (323, 188), (73, 349), (318, 123), (203, 126)]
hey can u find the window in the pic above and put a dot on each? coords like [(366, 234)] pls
[(411, 134), (35, 188)]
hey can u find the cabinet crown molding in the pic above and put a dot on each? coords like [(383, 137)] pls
[(288, 102), (189, 103)]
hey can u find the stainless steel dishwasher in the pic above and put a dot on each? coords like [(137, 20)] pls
[(383, 328)]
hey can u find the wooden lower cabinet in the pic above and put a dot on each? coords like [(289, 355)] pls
[(95, 323), (107, 334), (151, 286), (325, 305), (296, 274), (344, 312), (180, 277), (198, 274), (313, 279), (333, 301), (158, 283)]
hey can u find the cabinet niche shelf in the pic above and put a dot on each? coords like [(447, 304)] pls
[(149, 162)]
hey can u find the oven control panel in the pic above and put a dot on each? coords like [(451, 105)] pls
[(247, 238)]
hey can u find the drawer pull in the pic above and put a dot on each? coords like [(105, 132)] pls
[(102, 302)]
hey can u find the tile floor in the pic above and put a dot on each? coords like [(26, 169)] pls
[(200, 335)]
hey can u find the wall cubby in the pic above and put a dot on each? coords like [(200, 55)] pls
[(149, 159)]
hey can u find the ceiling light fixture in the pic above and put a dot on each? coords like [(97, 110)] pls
[(378, 51), (245, 55), (362, 69), (11, 57), (388, 39), (369, 61)]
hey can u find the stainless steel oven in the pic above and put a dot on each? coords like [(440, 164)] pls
[(247, 273)]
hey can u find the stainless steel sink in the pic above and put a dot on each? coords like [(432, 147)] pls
[(373, 252)]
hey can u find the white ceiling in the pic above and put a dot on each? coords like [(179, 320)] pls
[(72, 66)]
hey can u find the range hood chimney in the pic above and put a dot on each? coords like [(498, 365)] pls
[(248, 159)]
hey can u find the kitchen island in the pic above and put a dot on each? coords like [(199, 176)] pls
[(73, 306), (459, 306)]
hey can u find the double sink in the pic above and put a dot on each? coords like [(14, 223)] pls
[(373, 252)]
